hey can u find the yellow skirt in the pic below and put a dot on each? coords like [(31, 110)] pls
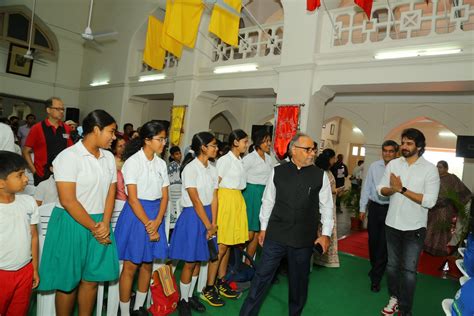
[(232, 220)]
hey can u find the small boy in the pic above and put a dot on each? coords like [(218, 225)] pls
[(175, 164), (18, 237)]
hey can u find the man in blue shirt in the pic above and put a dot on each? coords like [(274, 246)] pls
[(377, 206)]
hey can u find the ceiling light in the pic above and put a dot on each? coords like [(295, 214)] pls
[(235, 68), (446, 134), (99, 83), (416, 53), (357, 130), (151, 77)]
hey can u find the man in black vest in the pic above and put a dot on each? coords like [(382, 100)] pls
[(294, 194), (46, 140)]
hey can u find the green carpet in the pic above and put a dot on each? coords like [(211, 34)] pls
[(344, 291)]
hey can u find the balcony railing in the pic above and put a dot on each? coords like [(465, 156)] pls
[(253, 43), (170, 62), (402, 20)]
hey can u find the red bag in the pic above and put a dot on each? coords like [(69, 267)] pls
[(163, 282)]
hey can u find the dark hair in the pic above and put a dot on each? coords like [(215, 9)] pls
[(323, 159), (4, 120), (199, 140), (98, 118), (223, 147), (118, 138), (10, 162), (174, 150), (148, 131), (236, 135), (13, 117), (127, 125), (443, 163), (392, 143), (259, 136), (416, 136), (360, 162), (49, 103), (31, 115)]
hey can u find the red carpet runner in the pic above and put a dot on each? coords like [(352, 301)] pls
[(357, 244)]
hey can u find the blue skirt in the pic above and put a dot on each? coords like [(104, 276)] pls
[(189, 238), (133, 242)]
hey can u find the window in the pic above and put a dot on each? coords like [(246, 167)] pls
[(15, 28)]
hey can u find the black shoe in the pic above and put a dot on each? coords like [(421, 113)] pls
[(183, 308), (140, 312), (196, 305), (210, 294), (225, 289), (375, 287)]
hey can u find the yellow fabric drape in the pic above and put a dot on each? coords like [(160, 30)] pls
[(154, 54), (225, 24), (184, 25), (167, 42), (177, 120)]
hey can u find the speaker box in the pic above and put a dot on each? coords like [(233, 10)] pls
[(465, 146), (72, 114)]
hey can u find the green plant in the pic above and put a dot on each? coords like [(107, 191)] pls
[(463, 214), (351, 199)]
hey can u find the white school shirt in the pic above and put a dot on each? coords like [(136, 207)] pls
[(150, 176), (15, 232), (93, 176), (257, 169), (421, 177), (231, 170), (7, 139), (46, 191), (204, 179)]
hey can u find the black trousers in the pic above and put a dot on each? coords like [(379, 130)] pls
[(299, 260), (377, 240)]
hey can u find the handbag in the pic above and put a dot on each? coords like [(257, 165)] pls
[(212, 246)]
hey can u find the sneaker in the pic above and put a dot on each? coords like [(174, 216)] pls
[(225, 289), (183, 308), (210, 294), (392, 307), (196, 305), (140, 312)]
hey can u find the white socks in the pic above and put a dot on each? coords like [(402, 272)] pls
[(184, 289), (125, 308), (139, 300), (193, 285)]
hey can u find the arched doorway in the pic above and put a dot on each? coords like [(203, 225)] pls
[(220, 126)]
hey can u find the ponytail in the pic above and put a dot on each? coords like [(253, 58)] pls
[(132, 147)]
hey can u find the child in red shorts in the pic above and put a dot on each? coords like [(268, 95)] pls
[(18, 237)]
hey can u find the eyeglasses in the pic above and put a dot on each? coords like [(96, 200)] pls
[(57, 109), (163, 140), (308, 150)]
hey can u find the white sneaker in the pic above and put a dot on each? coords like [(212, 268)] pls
[(392, 307)]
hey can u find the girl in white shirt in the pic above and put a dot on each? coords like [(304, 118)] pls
[(232, 216), (197, 222), (258, 166), (79, 249), (140, 231)]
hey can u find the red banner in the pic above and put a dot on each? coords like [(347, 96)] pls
[(312, 5), (286, 127), (365, 5)]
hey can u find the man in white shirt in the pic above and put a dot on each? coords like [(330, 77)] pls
[(294, 194), (24, 130), (7, 140), (412, 183)]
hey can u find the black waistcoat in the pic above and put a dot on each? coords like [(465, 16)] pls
[(55, 142), (295, 216)]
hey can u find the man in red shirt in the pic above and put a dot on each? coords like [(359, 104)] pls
[(47, 139)]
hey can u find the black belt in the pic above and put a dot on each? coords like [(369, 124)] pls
[(378, 204)]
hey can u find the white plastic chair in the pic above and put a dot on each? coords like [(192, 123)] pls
[(202, 278), (174, 191), (460, 265), (45, 300), (113, 299), (446, 304), (461, 251)]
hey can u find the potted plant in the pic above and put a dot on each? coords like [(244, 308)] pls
[(351, 199)]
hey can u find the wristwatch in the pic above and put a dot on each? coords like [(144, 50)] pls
[(403, 190)]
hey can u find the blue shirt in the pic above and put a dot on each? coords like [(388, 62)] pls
[(369, 188), (463, 302)]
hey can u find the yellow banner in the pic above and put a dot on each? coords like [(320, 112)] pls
[(177, 121), (154, 54), (184, 25), (225, 24), (168, 42)]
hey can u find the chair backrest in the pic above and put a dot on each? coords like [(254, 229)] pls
[(174, 196), (45, 214), (116, 212)]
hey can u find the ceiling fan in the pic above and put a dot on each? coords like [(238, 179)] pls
[(87, 34), (30, 53)]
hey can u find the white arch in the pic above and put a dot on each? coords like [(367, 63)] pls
[(354, 117)]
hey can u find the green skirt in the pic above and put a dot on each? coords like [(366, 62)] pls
[(253, 199), (71, 254)]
